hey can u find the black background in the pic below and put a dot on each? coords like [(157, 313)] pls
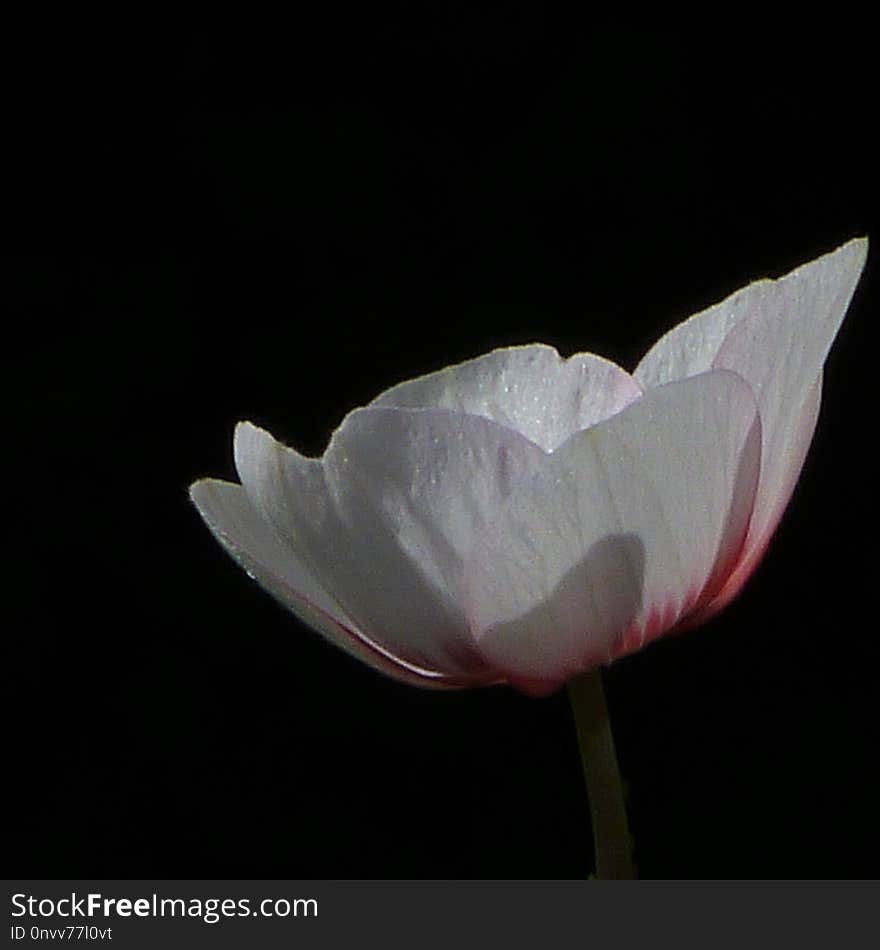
[(247, 218)]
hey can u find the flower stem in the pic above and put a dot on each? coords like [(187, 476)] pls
[(611, 838)]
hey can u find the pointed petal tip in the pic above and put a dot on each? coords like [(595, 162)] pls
[(857, 247), (862, 245), (246, 430), (249, 442), (198, 489), (206, 494), (851, 255), (249, 436)]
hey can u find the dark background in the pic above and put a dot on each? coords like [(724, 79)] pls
[(240, 218)]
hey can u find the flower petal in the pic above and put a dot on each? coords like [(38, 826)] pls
[(234, 522), (794, 300), (780, 345), (529, 389), (382, 520), (631, 525), (776, 334), (756, 543)]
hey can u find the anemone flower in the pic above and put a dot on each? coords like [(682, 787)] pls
[(522, 518)]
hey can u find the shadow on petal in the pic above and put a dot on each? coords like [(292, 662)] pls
[(575, 626)]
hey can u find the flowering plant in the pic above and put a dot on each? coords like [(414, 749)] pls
[(522, 518)]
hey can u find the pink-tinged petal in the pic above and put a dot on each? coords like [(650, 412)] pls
[(382, 520), (530, 389), (779, 346), (776, 334), (799, 444), (817, 293), (629, 526), (234, 522)]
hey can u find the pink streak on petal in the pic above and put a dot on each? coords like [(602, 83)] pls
[(656, 621), (758, 541), (729, 590), (759, 537), (663, 618)]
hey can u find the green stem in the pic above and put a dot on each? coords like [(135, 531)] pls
[(605, 790)]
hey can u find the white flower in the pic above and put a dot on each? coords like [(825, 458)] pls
[(521, 518)]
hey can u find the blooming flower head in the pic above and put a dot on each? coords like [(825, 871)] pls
[(521, 517)]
